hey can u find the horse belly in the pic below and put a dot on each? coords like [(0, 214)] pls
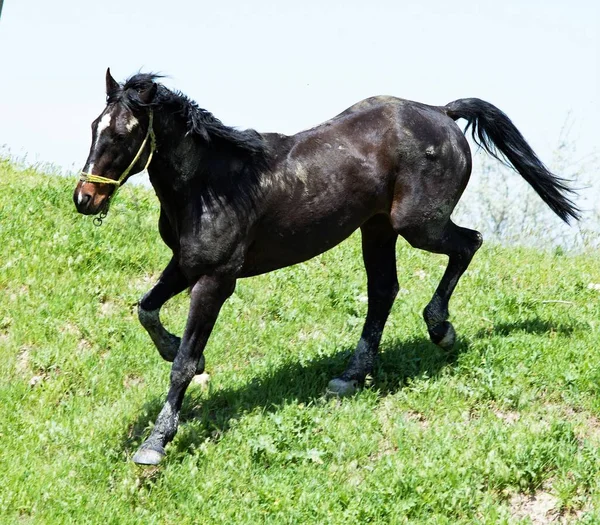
[(289, 242)]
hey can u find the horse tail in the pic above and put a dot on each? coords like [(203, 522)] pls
[(493, 130)]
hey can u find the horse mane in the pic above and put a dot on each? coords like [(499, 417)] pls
[(248, 143)]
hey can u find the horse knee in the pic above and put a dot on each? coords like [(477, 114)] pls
[(148, 318), (148, 302)]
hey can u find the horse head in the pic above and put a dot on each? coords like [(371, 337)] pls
[(122, 144)]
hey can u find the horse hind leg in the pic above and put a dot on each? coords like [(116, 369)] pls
[(460, 244), (379, 255)]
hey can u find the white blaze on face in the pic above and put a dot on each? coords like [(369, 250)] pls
[(101, 126)]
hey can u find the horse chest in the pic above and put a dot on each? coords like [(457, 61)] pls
[(214, 243)]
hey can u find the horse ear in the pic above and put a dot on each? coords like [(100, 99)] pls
[(111, 83), (147, 95)]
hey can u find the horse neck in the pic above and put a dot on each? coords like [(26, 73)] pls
[(190, 175), (176, 161)]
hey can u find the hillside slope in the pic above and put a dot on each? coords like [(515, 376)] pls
[(505, 428)]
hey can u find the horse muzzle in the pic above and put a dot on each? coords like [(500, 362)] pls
[(91, 199)]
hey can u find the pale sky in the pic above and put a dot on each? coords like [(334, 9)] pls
[(279, 66)]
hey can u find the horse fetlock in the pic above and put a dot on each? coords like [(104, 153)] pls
[(435, 312), (443, 335), (166, 343)]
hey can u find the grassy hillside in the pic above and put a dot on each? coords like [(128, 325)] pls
[(505, 429)]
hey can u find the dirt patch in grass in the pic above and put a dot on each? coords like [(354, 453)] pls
[(22, 364), (108, 308), (586, 425), (131, 380), (510, 417), (540, 508), (83, 345), (418, 418), (71, 329)]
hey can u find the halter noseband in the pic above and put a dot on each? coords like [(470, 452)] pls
[(89, 177)]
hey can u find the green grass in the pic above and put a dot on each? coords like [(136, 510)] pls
[(512, 412)]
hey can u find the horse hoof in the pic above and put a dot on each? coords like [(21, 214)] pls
[(340, 387), (149, 456), (443, 335)]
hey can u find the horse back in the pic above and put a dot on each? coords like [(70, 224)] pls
[(327, 181)]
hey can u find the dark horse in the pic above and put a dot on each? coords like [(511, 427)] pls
[(240, 203)]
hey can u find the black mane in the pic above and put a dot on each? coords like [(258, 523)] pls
[(200, 122)]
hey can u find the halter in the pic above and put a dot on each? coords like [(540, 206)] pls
[(89, 177)]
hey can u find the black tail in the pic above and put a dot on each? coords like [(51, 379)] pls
[(494, 131)]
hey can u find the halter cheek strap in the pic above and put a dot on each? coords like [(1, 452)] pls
[(89, 177)]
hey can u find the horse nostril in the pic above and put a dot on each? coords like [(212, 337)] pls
[(81, 200), (84, 198)]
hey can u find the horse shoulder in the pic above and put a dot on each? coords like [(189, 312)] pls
[(216, 242)]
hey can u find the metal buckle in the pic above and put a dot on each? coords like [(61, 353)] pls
[(98, 220)]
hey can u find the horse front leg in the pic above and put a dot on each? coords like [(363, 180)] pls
[(171, 282), (207, 297)]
